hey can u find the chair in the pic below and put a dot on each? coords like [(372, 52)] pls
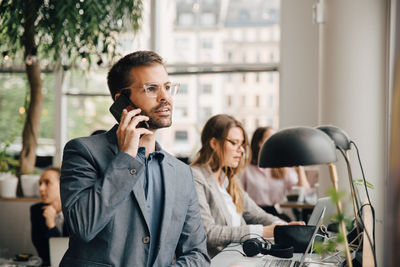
[(57, 248)]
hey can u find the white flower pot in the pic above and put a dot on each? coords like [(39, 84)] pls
[(30, 185), (8, 185)]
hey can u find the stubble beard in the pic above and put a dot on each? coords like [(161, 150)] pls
[(156, 122)]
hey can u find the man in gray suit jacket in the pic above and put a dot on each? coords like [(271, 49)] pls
[(126, 201)]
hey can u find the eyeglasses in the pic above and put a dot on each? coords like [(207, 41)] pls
[(153, 89), (236, 144)]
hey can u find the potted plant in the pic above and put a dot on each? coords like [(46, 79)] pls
[(8, 170)]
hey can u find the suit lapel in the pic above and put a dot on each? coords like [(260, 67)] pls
[(138, 193), (169, 194), (137, 190)]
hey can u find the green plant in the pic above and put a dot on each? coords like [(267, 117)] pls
[(330, 246), (8, 163), (65, 32)]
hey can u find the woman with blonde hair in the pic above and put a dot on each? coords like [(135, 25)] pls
[(269, 186), (228, 213)]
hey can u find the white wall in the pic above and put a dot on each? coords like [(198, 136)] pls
[(338, 75), (299, 65)]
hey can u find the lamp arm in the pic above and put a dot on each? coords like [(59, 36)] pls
[(333, 174)]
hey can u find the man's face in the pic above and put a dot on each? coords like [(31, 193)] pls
[(159, 108)]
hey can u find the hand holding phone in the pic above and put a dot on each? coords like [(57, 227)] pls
[(120, 104), (128, 140)]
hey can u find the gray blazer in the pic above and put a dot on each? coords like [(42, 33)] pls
[(216, 218), (104, 207)]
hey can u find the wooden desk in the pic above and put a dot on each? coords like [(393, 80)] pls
[(297, 205), (232, 256), (301, 210)]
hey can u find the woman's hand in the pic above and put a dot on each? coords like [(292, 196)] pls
[(297, 223), (268, 231)]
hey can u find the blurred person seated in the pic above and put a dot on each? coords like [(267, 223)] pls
[(269, 186), (228, 213), (46, 217)]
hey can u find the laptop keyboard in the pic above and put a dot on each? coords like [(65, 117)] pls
[(277, 263)]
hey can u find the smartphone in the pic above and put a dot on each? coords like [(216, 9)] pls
[(120, 104)]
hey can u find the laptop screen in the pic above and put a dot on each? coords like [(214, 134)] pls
[(308, 249)]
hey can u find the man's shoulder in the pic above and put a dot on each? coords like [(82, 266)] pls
[(36, 207), (94, 142)]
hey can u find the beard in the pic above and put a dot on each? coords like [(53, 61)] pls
[(157, 122)]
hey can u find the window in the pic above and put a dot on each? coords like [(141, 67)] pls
[(229, 100), (181, 112), (257, 101), (240, 35), (181, 43), (229, 56), (181, 136), (271, 57), (183, 89), (206, 89), (186, 19), (207, 43), (206, 112), (271, 100), (208, 19)]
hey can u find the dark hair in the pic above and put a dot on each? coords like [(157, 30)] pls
[(255, 151), (255, 141), (218, 127), (53, 168), (119, 76)]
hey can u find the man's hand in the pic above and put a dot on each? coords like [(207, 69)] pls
[(127, 133), (49, 214)]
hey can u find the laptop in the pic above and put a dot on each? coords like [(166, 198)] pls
[(330, 211), (57, 248), (308, 252)]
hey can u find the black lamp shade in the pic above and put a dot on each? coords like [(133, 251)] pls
[(338, 136), (298, 146)]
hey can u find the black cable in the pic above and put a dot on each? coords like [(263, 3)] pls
[(366, 189), (234, 250), (359, 209), (369, 203)]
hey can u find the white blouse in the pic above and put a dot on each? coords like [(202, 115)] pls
[(256, 230)]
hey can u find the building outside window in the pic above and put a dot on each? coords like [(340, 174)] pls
[(181, 136), (228, 30)]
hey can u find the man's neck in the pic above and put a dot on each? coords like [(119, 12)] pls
[(148, 141)]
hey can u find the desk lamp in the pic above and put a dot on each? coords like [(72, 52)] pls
[(343, 142), (302, 146)]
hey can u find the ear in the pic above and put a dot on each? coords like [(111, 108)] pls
[(116, 96), (213, 143)]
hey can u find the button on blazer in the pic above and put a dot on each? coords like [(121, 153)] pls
[(105, 208)]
